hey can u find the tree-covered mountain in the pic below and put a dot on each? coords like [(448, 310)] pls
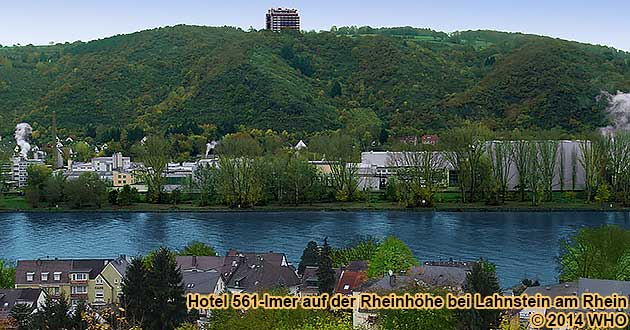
[(183, 78)]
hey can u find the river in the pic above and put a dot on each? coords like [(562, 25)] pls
[(521, 244)]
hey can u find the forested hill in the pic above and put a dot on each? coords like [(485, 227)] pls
[(182, 77)]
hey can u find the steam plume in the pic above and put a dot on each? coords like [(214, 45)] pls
[(22, 134), (618, 112)]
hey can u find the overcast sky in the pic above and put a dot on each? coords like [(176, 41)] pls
[(605, 22)]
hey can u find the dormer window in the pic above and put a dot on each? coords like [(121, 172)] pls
[(346, 287), (29, 277), (57, 276), (44, 277)]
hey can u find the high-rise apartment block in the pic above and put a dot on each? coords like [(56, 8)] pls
[(279, 19)]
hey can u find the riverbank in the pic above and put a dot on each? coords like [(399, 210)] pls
[(8, 205)]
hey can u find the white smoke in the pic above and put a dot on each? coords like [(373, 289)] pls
[(22, 135), (618, 112)]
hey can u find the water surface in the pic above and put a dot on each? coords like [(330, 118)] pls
[(521, 244)]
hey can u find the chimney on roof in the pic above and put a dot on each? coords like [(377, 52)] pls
[(392, 278)]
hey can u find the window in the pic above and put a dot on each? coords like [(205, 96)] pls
[(346, 287), (79, 289), (79, 277), (99, 294), (44, 277), (57, 276), (55, 291), (29, 277), (99, 281)]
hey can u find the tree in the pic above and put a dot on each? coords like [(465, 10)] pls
[(54, 314), (419, 173), (325, 271), (362, 249), (481, 280), (501, 161), (392, 254), (155, 153), (7, 275), (466, 147), (204, 182), (112, 197), (239, 182), (520, 154), (37, 176), (302, 180), (591, 159), (136, 294), (339, 150), (421, 319), (617, 148), (196, 248), (83, 151), (21, 315), (166, 307), (88, 188), (598, 253), (127, 196), (310, 257), (548, 155)]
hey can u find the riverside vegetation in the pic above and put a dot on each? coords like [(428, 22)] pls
[(256, 170)]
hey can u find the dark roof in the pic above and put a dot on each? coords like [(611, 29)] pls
[(121, 263), (582, 286), (12, 297), (65, 267), (42, 266), (440, 276), (261, 273), (200, 282), (203, 263), (426, 276)]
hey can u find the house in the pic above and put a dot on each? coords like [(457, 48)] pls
[(32, 298), (122, 178), (254, 272), (449, 275), (243, 271), (95, 281), (300, 145), (575, 288), (203, 283), (352, 277)]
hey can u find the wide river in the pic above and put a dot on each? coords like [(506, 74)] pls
[(521, 244)]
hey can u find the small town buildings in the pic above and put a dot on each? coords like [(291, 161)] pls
[(575, 288), (18, 173), (95, 281), (278, 19), (242, 271), (32, 298), (449, 276)]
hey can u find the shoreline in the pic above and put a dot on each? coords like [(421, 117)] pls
[(349, 208)]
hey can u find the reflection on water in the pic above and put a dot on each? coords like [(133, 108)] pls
[(520, 243)]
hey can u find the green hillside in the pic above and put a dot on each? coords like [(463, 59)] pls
[(184, 77)]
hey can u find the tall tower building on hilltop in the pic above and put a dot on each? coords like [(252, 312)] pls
[(279, 19)]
